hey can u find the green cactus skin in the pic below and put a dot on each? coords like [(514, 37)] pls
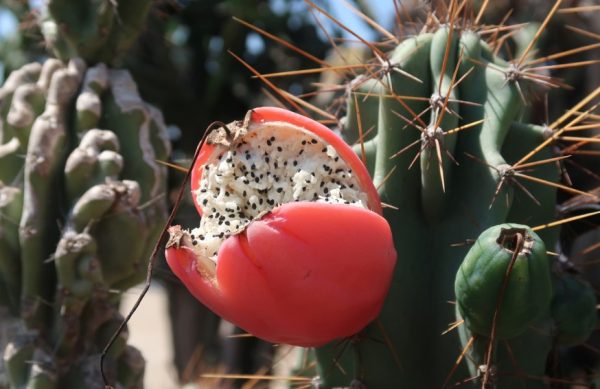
[(574, 310), (45, 156), (17, 356), (363, 99), (515, 362), (480, 278), (96, 30), (81, 200), (404, 347), (11, 203)]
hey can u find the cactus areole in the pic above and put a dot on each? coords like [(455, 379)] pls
[(291, 246)]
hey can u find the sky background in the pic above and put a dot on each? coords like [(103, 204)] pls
[(383, 12)]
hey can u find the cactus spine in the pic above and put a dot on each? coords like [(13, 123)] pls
[(447, 155)]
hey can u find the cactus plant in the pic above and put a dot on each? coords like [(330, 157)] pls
[(453, 155), (82, 199)]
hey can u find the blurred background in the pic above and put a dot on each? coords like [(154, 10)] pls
[(182, 64)]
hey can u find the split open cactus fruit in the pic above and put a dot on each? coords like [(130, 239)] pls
[(291, 246)]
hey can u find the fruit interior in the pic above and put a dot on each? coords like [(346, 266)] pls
[(509, 239), (271, 164)]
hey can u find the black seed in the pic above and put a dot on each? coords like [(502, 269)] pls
[(256, 179), (201, 237), (202, 190), (269, 142), (295, 163), (313, 141), (247, 157), (303, 142), (339, 170), (267, 159), (301, 151), (315, 196), (232, 215), (285, 163), (275, 165), (272, 139), (204, 202), (324, 150), (271, 202), (244, 194), (252, 174), (214, 210), (325, 190), (194, 242), (322, 183), (253, 166), (253, 205), (229, 159), (226, 194), (246, 181), (279, 149), (336, 159), (260, 201), (227, 223)]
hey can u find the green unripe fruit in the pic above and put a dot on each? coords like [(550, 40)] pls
[(481, 284), (574, 310)]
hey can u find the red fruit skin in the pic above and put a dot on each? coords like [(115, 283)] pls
[(305, 274)]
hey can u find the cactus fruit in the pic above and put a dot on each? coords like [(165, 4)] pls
[(504, 253), (82, 199), (291, 246)]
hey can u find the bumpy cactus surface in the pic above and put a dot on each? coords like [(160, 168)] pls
[(95, 30), (81, 201)]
